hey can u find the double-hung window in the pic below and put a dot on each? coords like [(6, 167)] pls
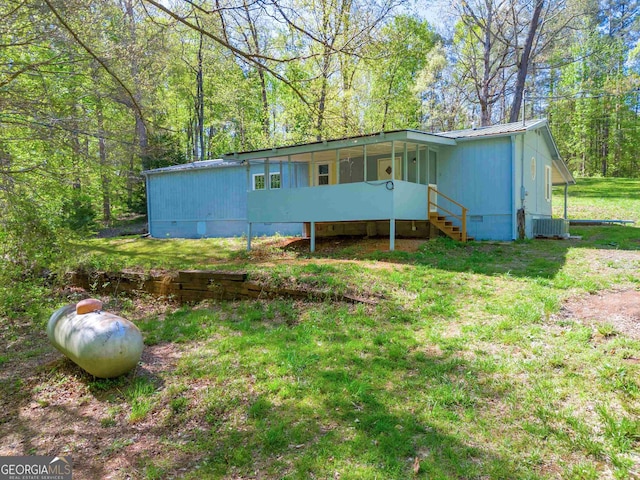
[(258, 181), (323, 174)]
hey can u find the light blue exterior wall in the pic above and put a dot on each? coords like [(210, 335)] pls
[(490, 175), (338, 203), (209, 202), (477, 174), (535, 203)]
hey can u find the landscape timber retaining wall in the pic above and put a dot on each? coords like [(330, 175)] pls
[(187, 286)]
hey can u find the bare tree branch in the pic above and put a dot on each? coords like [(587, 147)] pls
[(253, 59), (95, 57)]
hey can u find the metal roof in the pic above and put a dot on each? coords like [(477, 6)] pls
[(443, 138), (215, 163), (495, 130), (506, 129), (320, 145)]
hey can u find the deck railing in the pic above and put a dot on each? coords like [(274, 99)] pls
[(434, 207)]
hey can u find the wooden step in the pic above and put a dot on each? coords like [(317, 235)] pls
[(447, 227)]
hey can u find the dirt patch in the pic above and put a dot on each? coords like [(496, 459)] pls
[(133, 225), (620, 309), (61, 411), (358, 244)]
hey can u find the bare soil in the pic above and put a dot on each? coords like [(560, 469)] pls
[(619, 309), (329, 245)]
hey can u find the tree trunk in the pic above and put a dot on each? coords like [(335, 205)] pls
[(323, 93), (485, 110), (266, 128), (200, 153), (140, 126), (523, 65), (104, 174)]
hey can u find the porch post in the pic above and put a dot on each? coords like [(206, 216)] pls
[(267, 175), (312, 227), (418, 150), (337, 166), (405, 163), (281, 176), (393, 160), (392, 234), (313, 169), (392, 220), (248, 236), (365, 162), (566, 197), (289, 170)]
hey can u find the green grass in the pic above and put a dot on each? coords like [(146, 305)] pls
[(601, 199), (140, 396), (464, 364)]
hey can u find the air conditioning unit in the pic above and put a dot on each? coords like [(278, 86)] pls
[(550, 227)]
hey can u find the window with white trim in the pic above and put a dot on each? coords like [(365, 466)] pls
[(258, 181), (547, 183), (323, 174)]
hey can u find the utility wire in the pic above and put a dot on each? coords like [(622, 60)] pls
[(584, 95)]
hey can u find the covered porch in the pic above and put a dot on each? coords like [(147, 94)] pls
[(382, 177)]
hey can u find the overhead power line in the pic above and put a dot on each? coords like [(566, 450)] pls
[(584, 94)]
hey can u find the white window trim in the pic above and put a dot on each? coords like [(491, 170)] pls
[(271, 175), (256, 175), (318, 175)]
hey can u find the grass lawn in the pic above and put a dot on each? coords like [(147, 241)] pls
[(480, 361), (600, 199)]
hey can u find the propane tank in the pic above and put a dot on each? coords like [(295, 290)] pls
[(103, 344)]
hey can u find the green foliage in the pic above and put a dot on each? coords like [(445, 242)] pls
[(595, 115), (139, 395), (78, 213), (406, 43), (164, 150)]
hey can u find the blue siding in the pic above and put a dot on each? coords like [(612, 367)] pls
[(532, 145), (351, 201), (208, 202), (338, 203), (485, 174), (477, 174), (410, 201)]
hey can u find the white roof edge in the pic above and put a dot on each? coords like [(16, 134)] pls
[(493, 131), (199, 165)]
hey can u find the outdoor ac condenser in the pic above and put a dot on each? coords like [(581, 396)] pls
[(550, 227)]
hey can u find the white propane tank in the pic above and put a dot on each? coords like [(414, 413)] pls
[(101, 343)]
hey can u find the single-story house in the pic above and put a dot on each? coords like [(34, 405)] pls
[(487, 183)]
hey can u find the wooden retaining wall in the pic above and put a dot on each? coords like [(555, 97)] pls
[(188, 286)]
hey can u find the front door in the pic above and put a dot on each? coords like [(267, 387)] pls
[(384, 168)]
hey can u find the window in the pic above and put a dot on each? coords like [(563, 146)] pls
[(323, 174), (275, 180), (258, 181), (533, 168), (547, 183)]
